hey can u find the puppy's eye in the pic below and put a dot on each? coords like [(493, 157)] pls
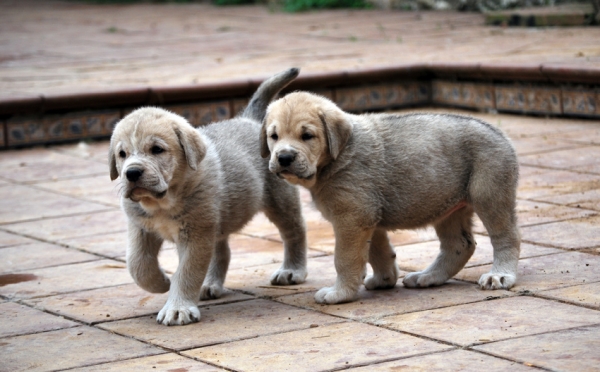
[(307, 136), (274, 136), (157, 150), (122, 154)]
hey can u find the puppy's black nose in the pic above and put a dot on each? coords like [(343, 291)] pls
[(134, 174), (286, 159)]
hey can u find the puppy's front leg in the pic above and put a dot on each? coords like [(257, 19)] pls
[(142, 260), (382, 258), (351, 254), (194, 257)]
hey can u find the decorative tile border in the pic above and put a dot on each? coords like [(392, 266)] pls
[(460, 94), (580, 101), (383, 96), (538, 100)]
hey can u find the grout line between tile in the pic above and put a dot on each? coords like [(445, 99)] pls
[(507, 359), (389, 360), (4, 224)]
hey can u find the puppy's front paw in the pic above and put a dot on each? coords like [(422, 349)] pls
[(493, 280), (288, 276), (423, 279), (211, 292), (331, 295), (178, 314), (383, 280)]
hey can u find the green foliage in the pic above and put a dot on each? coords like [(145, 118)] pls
[(232, 2), (303, 5)]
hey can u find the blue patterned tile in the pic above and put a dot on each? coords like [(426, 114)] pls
[(580, 101)]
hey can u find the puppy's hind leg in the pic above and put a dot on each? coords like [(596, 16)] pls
[(456, 247), (287, 216), (383, 261), (213, 283), (142, 260)]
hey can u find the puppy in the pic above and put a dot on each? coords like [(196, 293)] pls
[(195, 187), (371, 173)]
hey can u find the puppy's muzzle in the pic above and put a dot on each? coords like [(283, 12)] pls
[(285, 159), (134, 174)]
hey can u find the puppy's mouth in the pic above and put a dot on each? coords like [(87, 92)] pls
[(138, 193), (288, 174)]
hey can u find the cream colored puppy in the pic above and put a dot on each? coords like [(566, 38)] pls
[(195, 187), (371, 173)]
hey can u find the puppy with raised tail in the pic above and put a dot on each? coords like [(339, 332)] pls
[(195, 187), (371, 173)]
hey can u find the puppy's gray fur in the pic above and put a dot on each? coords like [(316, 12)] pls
[(371, 173), (195, 187)]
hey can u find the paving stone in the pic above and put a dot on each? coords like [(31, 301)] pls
[(115, 303), (8, 239), (547, 272), (590, 136), (255, 280), (62, 279), (60, 228), (582, 158), (222, 323), (535, 145), (37, 255), (260, 226), (536, 183), (94, 188), (373, 305), (68, 348), (417, 257), (572, 234), (22, 203), (165, 362), (109, 245), (589, 199), (568, 350), (453, 360), (495, 320), (586, 295), (318, 348), (86, 150), (19, 320)]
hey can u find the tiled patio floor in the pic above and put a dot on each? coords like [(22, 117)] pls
[(68, 302)]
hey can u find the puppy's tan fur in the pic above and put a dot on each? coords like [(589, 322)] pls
[(371, 173), (195, 187)]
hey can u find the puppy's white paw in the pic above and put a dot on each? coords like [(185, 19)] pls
[(383, 280), (331, 295), (493, 280), (179, 314), (288, 276), (210, 292), (423, 279)]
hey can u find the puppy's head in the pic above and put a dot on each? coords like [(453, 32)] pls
[(301, 133), (151, 148)]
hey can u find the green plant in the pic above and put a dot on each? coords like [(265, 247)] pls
[(303, 5)]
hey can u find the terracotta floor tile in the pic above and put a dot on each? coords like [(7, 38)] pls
[(547, 272), (571, 234), (67, 278), (37, 255), (535, 145), (519, 126), (495, 320), (109, 245), (582, 158), (68, 348), (44, 165), (21, 203), (417, 257), (399, 300), (568, 350), (17, 319), (586, 294), (589, 199), (590, 136), (320, 348), (93, 188), (86, 150), (537, 184), (115, 303), (60, 228), (8, 239), (165, 362), (260, 226), (222, 323), (255, 280), (453, 360)]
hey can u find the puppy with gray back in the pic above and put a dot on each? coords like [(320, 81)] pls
[(377, 172), (195, 187)]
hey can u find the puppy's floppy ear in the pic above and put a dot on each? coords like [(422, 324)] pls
[(112, 163), (264, 146), (337, 130), (192, 145)]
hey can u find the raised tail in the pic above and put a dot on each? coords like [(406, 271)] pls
[(257, 107)]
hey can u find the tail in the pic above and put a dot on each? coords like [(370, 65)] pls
[(257, 108)]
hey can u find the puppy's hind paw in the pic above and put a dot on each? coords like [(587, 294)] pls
[(331, 295), (288, 276), (178, 314), (211, 292), (383, 280), (493, 280), (423, 279)]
